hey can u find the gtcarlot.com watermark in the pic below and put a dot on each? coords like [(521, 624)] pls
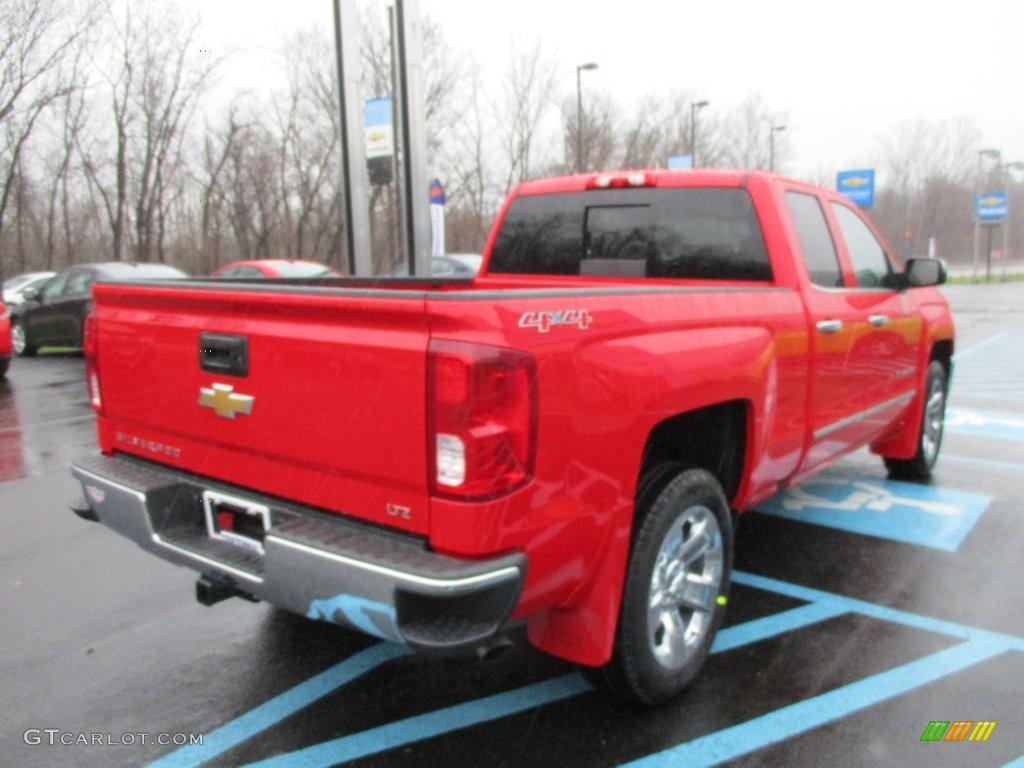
[(57, 737)]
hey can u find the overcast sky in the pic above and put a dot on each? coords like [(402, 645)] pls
[(843, 73)]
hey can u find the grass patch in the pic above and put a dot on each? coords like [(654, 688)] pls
[(1015, 277)]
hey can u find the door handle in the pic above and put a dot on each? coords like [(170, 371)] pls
[(879, 320), (223, 353), (830, 326)]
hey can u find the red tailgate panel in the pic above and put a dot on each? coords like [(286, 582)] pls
[(337, 382)]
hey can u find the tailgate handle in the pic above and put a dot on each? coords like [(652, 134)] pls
[(223, 353)]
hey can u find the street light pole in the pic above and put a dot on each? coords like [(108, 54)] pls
[(579, 114), (694, 106), (982, 154), (1007, 178), (771, 146)]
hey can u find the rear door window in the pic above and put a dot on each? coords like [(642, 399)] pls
[(819, 251)]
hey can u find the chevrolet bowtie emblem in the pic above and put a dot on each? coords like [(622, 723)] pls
[(224, 401)]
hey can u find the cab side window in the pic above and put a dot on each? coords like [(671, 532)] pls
[(819, 251), (870, 262)]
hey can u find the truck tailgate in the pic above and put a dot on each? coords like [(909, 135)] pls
[(312, 394)]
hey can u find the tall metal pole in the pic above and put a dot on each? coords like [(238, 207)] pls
[(401, 243), (579, 114), (414, 141), (694, 106), (771, 146), (354, 182), (1007, 178), (982, 153), (1006, 218)]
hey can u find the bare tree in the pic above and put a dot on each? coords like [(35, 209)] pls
[(644, 137), (36, 38), (217, 149), (928, 172), (596, 133), (747, 135), (71, 120), (155, 79), (471, 193), (525, 97), (308, 123), (174, 76)]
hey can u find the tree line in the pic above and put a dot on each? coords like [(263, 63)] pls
[(116, 143)]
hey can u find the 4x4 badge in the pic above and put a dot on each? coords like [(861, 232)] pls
[(224, 401)]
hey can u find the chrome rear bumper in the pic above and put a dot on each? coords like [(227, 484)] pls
[(322, 566)]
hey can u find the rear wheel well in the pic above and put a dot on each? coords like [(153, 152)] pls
[(713, 438)]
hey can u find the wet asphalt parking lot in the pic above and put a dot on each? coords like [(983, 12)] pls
[(863, 612)]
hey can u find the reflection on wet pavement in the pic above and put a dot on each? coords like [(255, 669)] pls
[(12, 455), (45, 418)]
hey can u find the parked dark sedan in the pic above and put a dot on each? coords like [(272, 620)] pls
[(53, 314)]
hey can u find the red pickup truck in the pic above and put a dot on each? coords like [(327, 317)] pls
[(560, 441)]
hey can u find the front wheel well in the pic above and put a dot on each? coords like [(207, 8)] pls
[(943, 352), (713, 438)]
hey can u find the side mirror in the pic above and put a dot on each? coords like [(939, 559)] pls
[(925, 272), (30, 294)]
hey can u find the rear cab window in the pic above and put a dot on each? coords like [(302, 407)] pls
[(695, 233)]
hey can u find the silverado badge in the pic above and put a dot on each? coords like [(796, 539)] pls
[(224, 401)]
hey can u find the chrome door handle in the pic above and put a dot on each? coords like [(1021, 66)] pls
[(879, 320), (830, 326)]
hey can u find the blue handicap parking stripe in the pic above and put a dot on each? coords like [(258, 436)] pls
[(874, 610), (996, 425), (278, 708), (798, 718), (746, 737), (1018, 763), (729, 743), (907, 512), (432, 724), (770, 626), (517, 700)]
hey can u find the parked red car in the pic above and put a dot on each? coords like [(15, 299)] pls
[(261, 268), (5, 339)]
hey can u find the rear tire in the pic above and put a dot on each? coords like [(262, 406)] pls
[(673, 599), (929, 440)]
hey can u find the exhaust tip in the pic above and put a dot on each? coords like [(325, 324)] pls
[(81, 508), (493, 648)]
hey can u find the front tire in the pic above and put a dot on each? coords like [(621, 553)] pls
[(673, 599), (929, 440), (19, 340)]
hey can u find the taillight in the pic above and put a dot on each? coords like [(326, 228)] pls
[(482, 419), (89, 351)]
